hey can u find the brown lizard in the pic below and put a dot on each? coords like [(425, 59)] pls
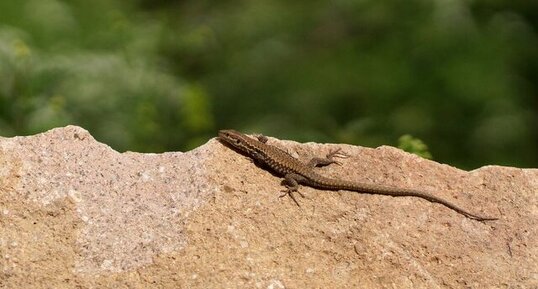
[(295, 172)]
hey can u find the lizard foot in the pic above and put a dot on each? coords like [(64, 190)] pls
[(328, 159), (289, 192), (336, 153)]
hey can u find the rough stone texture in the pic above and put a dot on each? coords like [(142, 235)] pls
[(76, 214)]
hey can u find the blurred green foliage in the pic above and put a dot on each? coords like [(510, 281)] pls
[(165, 75), (414, 145)]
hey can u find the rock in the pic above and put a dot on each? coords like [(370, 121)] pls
[(76, 214)]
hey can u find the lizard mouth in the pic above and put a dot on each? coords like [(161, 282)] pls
[(228, 136), (224, 134)]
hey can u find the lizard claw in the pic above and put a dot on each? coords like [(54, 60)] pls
[(285, 193), (337, 153), (289, 192)]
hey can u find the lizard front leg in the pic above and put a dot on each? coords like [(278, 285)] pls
[(262, 138)]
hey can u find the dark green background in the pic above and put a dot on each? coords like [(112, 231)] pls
[(155, 76)]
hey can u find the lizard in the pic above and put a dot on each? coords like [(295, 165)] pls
[(296, 172)]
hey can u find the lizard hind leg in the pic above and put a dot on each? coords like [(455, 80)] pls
[(292, 185), (329, 159)]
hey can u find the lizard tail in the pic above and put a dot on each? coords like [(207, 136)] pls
[(327, 183)]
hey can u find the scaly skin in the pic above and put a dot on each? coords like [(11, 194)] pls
[(295, 172)]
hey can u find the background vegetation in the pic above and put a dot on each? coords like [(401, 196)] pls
[(164, 75)]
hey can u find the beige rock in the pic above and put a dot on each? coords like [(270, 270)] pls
[(76, 214)]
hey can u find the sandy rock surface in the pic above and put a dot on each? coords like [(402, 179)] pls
[(76, 214)]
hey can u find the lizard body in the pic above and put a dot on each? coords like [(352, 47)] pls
[(296, 172)]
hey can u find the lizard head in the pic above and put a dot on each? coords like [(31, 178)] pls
[(232, 137), (241, 142)]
